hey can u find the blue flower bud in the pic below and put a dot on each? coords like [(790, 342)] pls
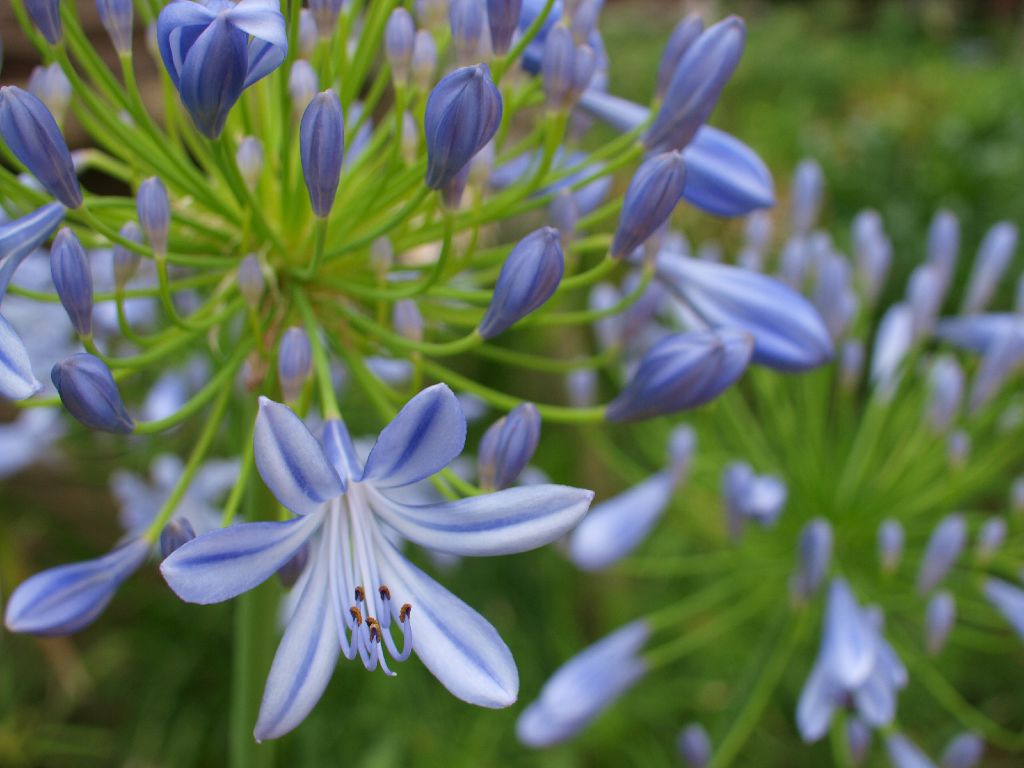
[(116, 17), (154, 210), (958, 448), (557, 66), (990, 538), (652, 195), (944, 244), (399, 35), (326, 14), (814, 554), (696, 84), (994, 256), (893, 341), (322, 147), (808, 192), (45, 14), (503, 18), (294, 362), (890, 545), (126, 261), (1008, 599), (249, 159), (463, 113), (584, 18), (302, 84), (177, 532), (581, 387), (925, 294), (694, 746), (466, 18), (903, 753), (938, 621), (944, 547), (250, 280), (851, 364), (407, 320), (683, 371), (679, 42), (382, 255), (33, 137), (89, 393), (564, 213), (964, 751), (307, 33), (424, 58), (51, 86), (72, 279), (507, 447), (945, 393), (584, 67), (528, 278)]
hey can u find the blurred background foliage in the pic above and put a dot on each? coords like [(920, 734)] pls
[(907, 106)]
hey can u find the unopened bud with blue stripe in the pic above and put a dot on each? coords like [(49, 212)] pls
[(51, 86), (45, 15), (322, 148), (944, 244), (294, 362), (947, 541), (808, 193), (938, 621), (303, 84), (399, 35), (557, 65), (945, 393), (890, 544), (89, 393), (326, 12), (177, 532), (116, 17), (32, 135), (69, 268), (466, 19), (503, 18), (683, 371), (679, 42), (463, 113), (696, 85), (814, 555), (154, 210), (307, 33), (528, 278), (507, 447), (650, 199), (994, 256), (424, 58), (249, 159)]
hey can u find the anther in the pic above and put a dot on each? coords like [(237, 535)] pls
[(360, 595), (356, 615), (374, 629), (385, 593), (403, 614)]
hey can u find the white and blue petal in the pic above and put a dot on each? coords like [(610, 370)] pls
[(724, 176), (848, 641), (16, 378), (816, 704)]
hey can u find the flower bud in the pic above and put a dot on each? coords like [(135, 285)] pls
[(407, 320), (944, 244), (503, 18), (17, 381), (925, 294), (32, 135), (938, 621), (177, 532), (652, 195), (683, 371), (507, 447), (1001, 360), (1008, 599), (302, 85), (564, 213), (964, 751), (808, 191), (679, 42), (154, 210), (45, 14), (991, 537), (903, 753), (945, 393), (994, 256), (399, 35), (814, 553), (382, 255), (944, 547), (557, 66), (694, 746), (528, 278), (126, 261), (424, 58), (410, 145), (326, 14), (249, 159), (466, 18), (116, 17), (322, 148), (294, 362), (463, 113), (51, 86), (696, 85), (584, 66), (89, 393), (851, 364), (890, 545), (581, 387), (250, 280), (583, 19), (72, 279), (893, 340), (958, 448)]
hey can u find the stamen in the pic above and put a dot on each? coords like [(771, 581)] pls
[(360, 594), (404, 613), (385, 593), (356, 615)]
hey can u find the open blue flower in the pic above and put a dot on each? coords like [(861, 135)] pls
[(357, 589)]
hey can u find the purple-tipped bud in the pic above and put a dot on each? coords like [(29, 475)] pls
[(557, 66), (814, 554), (466, 18), (116, 17), (925, 294), (858, 739), (584, 67), (307, 34), (584, 19), (126, 261), (696, 85), (507, 447), (45, 14), (938, 621), (32, 135), (89, 393), (564, 213), (958, 448), (1008, 599), (833, 294), (290, 572), (51, 86), (650, 199), (249, 158), (177, 532), (72, 279), (322, 148), (398, 41), (944, 244), (991, 537), (903, 753), (407, 320), (154, 210), (964, 751), (945, 393), (893, 341), (294, 362), (303, 84), (679, 42), (944, 547), (808, 191), (994, 256), (326, 14), (424, 58), (250, 280), (581, 388), (463, 113), (683, 371), (694, 746), (890, 545), (528, 278), (851, 364), (503, 18)]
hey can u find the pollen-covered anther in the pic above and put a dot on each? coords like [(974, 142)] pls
[(360, 595), (357, 615), (385, 593), (403, 614), (374, 627)]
